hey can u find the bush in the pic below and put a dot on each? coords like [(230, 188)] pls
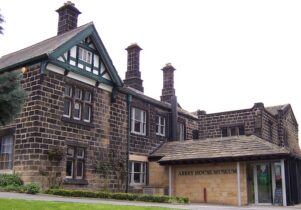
[(32, 188), (118, 196), (13, 188), (10, 179)]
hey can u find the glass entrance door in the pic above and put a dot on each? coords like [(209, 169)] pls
[(264, 183)]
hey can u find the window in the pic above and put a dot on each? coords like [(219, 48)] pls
[(224, 132), (75, 162), (138, 121), (195, 134), (270, 130), (233, 131), (160, 126), (85, 55), (181, 131), (6, 152), (137, 173), (88, 106), (77, 104), (67, 101)]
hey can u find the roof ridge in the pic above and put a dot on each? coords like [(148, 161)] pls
[(50, 38)]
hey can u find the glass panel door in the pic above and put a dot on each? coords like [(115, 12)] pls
[(264, 183)]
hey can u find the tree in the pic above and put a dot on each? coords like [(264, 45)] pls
[(1, 21), (12, 96)]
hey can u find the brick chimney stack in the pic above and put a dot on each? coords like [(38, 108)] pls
[(133, 74), (68, 14), (168, 83)]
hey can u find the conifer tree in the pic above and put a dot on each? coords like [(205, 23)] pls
[(12, 96), (1, 21)]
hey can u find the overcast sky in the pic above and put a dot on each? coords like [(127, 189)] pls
[(227, 54)]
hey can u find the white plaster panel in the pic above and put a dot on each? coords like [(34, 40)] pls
[(96, 61), (73, 52)]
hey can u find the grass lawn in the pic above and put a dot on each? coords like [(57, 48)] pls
[(14, 204)]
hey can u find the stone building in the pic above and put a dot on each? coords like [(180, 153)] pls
[(83, 127)]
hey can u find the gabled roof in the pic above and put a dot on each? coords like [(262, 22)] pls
[(52, 48), (141, 95), (274, 109), (215, 149)]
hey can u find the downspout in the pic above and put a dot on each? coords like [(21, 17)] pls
[(129, 106), (174, 118)]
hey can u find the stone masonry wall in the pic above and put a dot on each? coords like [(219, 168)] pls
[(290, 132), (210, 124), (267, 121), (41, 128), (144, 144)]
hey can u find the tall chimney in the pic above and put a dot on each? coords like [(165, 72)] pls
[(133, 74), (168, 83), (68, 14)]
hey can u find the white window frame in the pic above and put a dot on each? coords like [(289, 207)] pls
[(71, 155), (82, 171), (142, 173), (80, 110), (69, 113), (83, 55), (80, 158), (72, 163), (80, 94), (74, 158), (142, 121), (69, 98), (181, 131), (160, 122), (7, 144)]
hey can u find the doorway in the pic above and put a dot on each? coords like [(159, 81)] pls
[(264, 183)]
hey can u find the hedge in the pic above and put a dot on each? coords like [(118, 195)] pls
[(13, 183), (117, 196)]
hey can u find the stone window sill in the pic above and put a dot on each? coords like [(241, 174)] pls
[(75, 181), (79, 122)]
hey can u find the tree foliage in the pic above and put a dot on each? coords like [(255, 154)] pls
[(12, 96), (1, 21)]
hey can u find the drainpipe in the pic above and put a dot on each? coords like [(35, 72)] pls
[(174, 118), (129, 105)]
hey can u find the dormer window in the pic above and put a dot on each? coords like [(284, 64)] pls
[(85, 55), (233, 131)]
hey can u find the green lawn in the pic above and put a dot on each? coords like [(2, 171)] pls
[(14, 204)]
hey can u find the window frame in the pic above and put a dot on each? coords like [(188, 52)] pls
[(68, 97), (142, 173), (181, 131), (142, 121), (75, 159), (160, 125), (83, 55), (10, 153), (235, 130), (73, 98)]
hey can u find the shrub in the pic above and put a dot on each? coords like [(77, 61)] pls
[(13, 188), (32, 188), (118, 196), (10, 179)]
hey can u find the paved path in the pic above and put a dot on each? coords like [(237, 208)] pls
[(43, 197)]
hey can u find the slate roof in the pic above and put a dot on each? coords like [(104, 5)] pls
[(274, 109), (214, 149), (144, 97), (39, 50)]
